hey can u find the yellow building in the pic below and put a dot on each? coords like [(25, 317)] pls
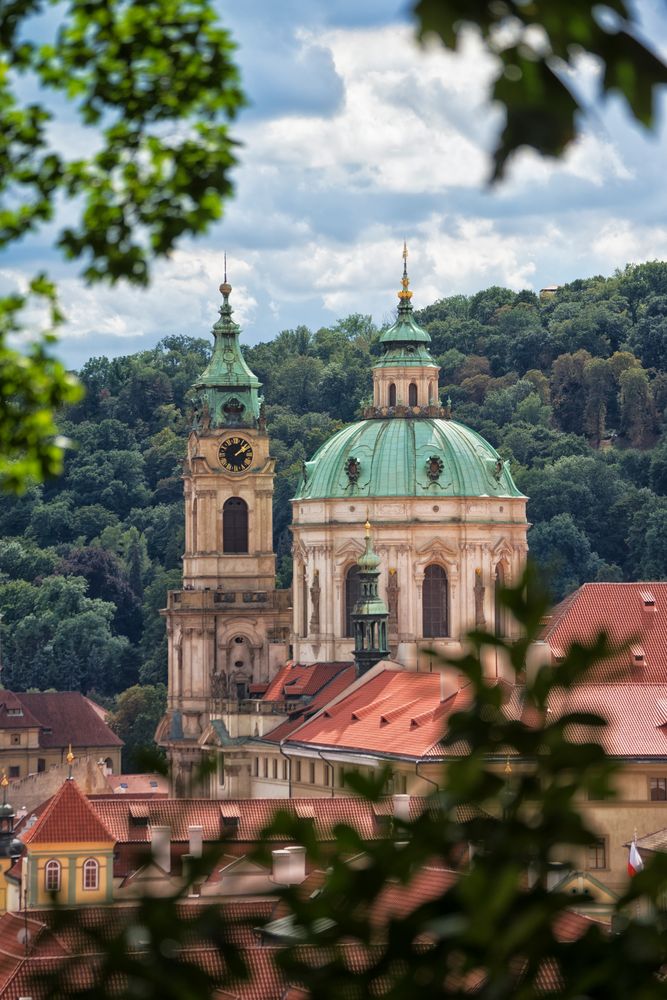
[(69, 854)]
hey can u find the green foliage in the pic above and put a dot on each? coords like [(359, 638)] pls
[(536, 45), (493, 931), (154, 86), (134, 718)]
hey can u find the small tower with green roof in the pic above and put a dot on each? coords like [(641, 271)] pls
[(226, 394), (406, 376), (370, 614)]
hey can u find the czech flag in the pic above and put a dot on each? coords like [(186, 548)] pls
[(635, 863)]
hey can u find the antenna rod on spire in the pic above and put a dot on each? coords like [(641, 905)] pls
[(225, 277)]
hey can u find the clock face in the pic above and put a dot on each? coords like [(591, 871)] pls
[(235, 454)]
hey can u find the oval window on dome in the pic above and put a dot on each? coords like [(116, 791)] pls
[(435, 603)]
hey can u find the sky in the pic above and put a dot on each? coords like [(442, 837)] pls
[(356, 138)]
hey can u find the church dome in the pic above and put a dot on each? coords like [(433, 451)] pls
[(406, 457)]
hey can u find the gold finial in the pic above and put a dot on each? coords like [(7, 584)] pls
[(225, 287), (70, 755), (4, 781), (367, 528), (508, 766), (405, 294)]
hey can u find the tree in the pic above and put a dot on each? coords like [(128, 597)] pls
[(56, 636), (563, 553), (636, 402), (135, 717), (157, 81), (537, 46)]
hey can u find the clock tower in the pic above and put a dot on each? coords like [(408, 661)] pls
[(228, 628)]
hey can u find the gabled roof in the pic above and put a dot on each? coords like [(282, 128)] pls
[(395, 713), (327, 693), (68, 817), (65, 717), (634, 614), (298, 679)]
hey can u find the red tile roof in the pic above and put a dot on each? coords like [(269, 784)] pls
[(396, 713), (68, 817), (324, 696), (630, 613), (634, 715), (253, 816), (297, 680), (65, 717)]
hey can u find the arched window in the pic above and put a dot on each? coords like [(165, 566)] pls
[(435, 603), (52, 876), (412, 394), (235, 525), (193, 541), (392, 394), (432, 394), (499, 611), (91, 874), (108, 763), (352, 593)]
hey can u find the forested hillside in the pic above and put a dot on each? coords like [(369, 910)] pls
[(572, 388)]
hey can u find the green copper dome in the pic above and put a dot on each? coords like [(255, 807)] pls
[(404, 457)]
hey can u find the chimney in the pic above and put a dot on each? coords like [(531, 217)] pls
[(196, 840), (401, 807), (648, 609), (282, 867), (298, 863), (161, 846)]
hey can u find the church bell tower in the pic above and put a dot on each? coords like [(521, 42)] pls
[(228, 627)]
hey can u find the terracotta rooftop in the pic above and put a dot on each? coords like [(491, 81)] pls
[(239, 820), (298, 680), (138, 784), (69, 816), (331, 690), (395, 713), (63, 717), (634, 614)]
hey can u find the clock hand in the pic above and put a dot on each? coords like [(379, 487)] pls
[(244, 448)]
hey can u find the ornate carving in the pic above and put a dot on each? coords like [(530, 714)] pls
[(478, 591), (315, 602), (218, 686), (392, 599), (353, 469), (434, 467)]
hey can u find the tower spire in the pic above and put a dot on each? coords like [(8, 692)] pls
[(405, 294), (369, 615)]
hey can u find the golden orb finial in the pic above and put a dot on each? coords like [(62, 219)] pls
[(70, 756), (367, 528), (4, 781), (405, 294)]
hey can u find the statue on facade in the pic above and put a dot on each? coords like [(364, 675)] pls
[(205, 417), (478, 591), (219, 686), (392, 600), (315, 602)]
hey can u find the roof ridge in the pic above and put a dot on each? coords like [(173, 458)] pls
[(53, 804)]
